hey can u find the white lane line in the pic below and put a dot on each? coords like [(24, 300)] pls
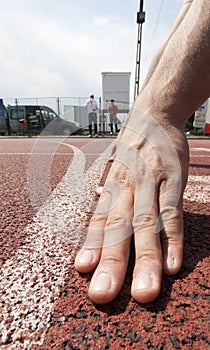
[(29, 153), (198, 156), (30, 281), (45, 153), (199, 149), (198, 189)]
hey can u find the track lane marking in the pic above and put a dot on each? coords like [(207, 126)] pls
[(198, 189), (31, 280)]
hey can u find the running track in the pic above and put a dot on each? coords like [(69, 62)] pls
[(47, 192)]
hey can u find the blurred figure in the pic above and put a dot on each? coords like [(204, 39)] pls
[(92, 107), (113, 110)]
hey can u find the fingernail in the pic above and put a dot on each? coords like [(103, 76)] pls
[(85, 257), (102, 282), (142, 281), (170, 261)]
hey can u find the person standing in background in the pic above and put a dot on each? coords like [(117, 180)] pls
[(113, 110), (92, 107)]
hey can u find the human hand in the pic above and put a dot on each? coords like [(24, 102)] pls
[(142, 194)]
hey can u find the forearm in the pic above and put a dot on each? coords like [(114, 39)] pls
[(155, 60), (181, 79)]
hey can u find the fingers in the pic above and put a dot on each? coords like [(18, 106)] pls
[(109, 275), (107, 244), (149, 250), (172, 236), (148, 265), (87, 259), (172, 243), (142, 192), (89, 255), (99, 190), (113, 232), (158, 231), (171, 221)]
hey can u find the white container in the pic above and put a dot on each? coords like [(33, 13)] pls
[(116, 85)]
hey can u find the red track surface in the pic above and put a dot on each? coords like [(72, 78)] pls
[(44, 303)]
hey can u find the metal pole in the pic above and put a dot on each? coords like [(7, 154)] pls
[(140, 21), (58, 106), (100, 115)]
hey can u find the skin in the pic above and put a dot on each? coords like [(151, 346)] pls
[(144, 188)]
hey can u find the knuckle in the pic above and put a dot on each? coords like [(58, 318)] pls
[(112, 258), (144, 220), (116, 219), (148, 256), (97, 218)]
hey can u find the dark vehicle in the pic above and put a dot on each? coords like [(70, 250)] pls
[(30, 119)]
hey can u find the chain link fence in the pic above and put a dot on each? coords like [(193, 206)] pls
[(74, 109)]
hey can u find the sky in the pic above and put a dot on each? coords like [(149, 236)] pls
[(60, 48)]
